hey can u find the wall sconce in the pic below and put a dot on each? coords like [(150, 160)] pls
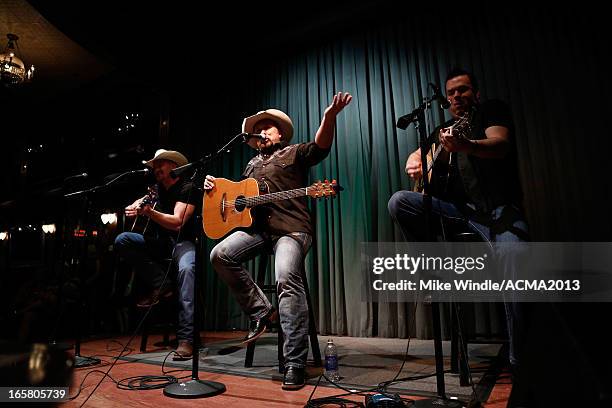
[(109, 218), (48, 228)]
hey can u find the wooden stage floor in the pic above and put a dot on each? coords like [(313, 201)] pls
[(241, 391)]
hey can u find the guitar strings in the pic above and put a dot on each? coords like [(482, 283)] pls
[(254, 200), (264, 198)]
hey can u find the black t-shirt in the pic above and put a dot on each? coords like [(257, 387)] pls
[(284, 168), (497, 180), (186, 192)]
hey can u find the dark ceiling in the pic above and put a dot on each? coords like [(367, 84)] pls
[(99, 60), (168, 42), (171, 43)]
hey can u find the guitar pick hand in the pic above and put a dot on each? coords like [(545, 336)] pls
[(132, 209), (209, 182), (452, 143), (145, 210)]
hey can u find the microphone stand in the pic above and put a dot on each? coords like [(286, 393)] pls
[(83, 361), (195, 387), (417, 116)]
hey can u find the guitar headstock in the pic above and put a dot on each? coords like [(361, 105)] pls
[(325, 189), (463, 126), (152, 195)]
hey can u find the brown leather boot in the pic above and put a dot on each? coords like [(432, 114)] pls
[(184, 351), (154, 297)]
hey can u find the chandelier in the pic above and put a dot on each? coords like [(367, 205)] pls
[(12, 68)]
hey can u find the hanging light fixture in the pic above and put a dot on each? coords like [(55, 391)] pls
[(12, 68)]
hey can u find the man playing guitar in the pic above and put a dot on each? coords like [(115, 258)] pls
[(283, 225), (176, 203), (479, 187)]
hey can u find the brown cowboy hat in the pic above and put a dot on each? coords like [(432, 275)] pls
[(285, 126), (173, 156)]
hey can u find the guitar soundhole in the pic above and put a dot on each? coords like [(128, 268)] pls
[(240, 204), (222, 207)]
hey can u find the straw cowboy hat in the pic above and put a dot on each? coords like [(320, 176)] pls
[(173, 156), (285, 126)]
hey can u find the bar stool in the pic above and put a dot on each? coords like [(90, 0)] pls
[(459, 353), (163, 315), (312, 328)]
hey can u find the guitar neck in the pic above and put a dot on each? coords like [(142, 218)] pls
[(434, 157), (430, 164), (272, 197)]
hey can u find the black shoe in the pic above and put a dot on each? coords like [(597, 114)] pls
[(294, 378), (258, 327)]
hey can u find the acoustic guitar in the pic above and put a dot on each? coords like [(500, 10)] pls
[(228, 205), (438, 160), (141, 222)]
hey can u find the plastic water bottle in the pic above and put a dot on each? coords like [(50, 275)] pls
[(331, 361)]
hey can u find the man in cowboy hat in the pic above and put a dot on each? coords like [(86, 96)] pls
[(176, 204), (284, 225)]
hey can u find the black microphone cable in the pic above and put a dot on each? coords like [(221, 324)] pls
[(380, 388)]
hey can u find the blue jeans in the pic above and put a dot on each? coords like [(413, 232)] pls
[(143, 254), (289, 251), (504, 224)]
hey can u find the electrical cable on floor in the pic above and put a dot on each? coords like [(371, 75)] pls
[(123, 350), (151, 382), (120, 345), (337, 400), (334, 399), (164, 372), (84, 378), (146, 382), (381, 388)]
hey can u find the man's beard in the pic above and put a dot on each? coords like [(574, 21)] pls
[(267, 147)]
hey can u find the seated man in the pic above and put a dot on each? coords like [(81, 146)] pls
[(172, 213), (482, 189), (284, 225)]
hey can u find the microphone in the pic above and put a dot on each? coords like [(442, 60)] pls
[(404, 121), (444, 103), (144, 172), (178, 171), (247, 136), (76, 176)]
